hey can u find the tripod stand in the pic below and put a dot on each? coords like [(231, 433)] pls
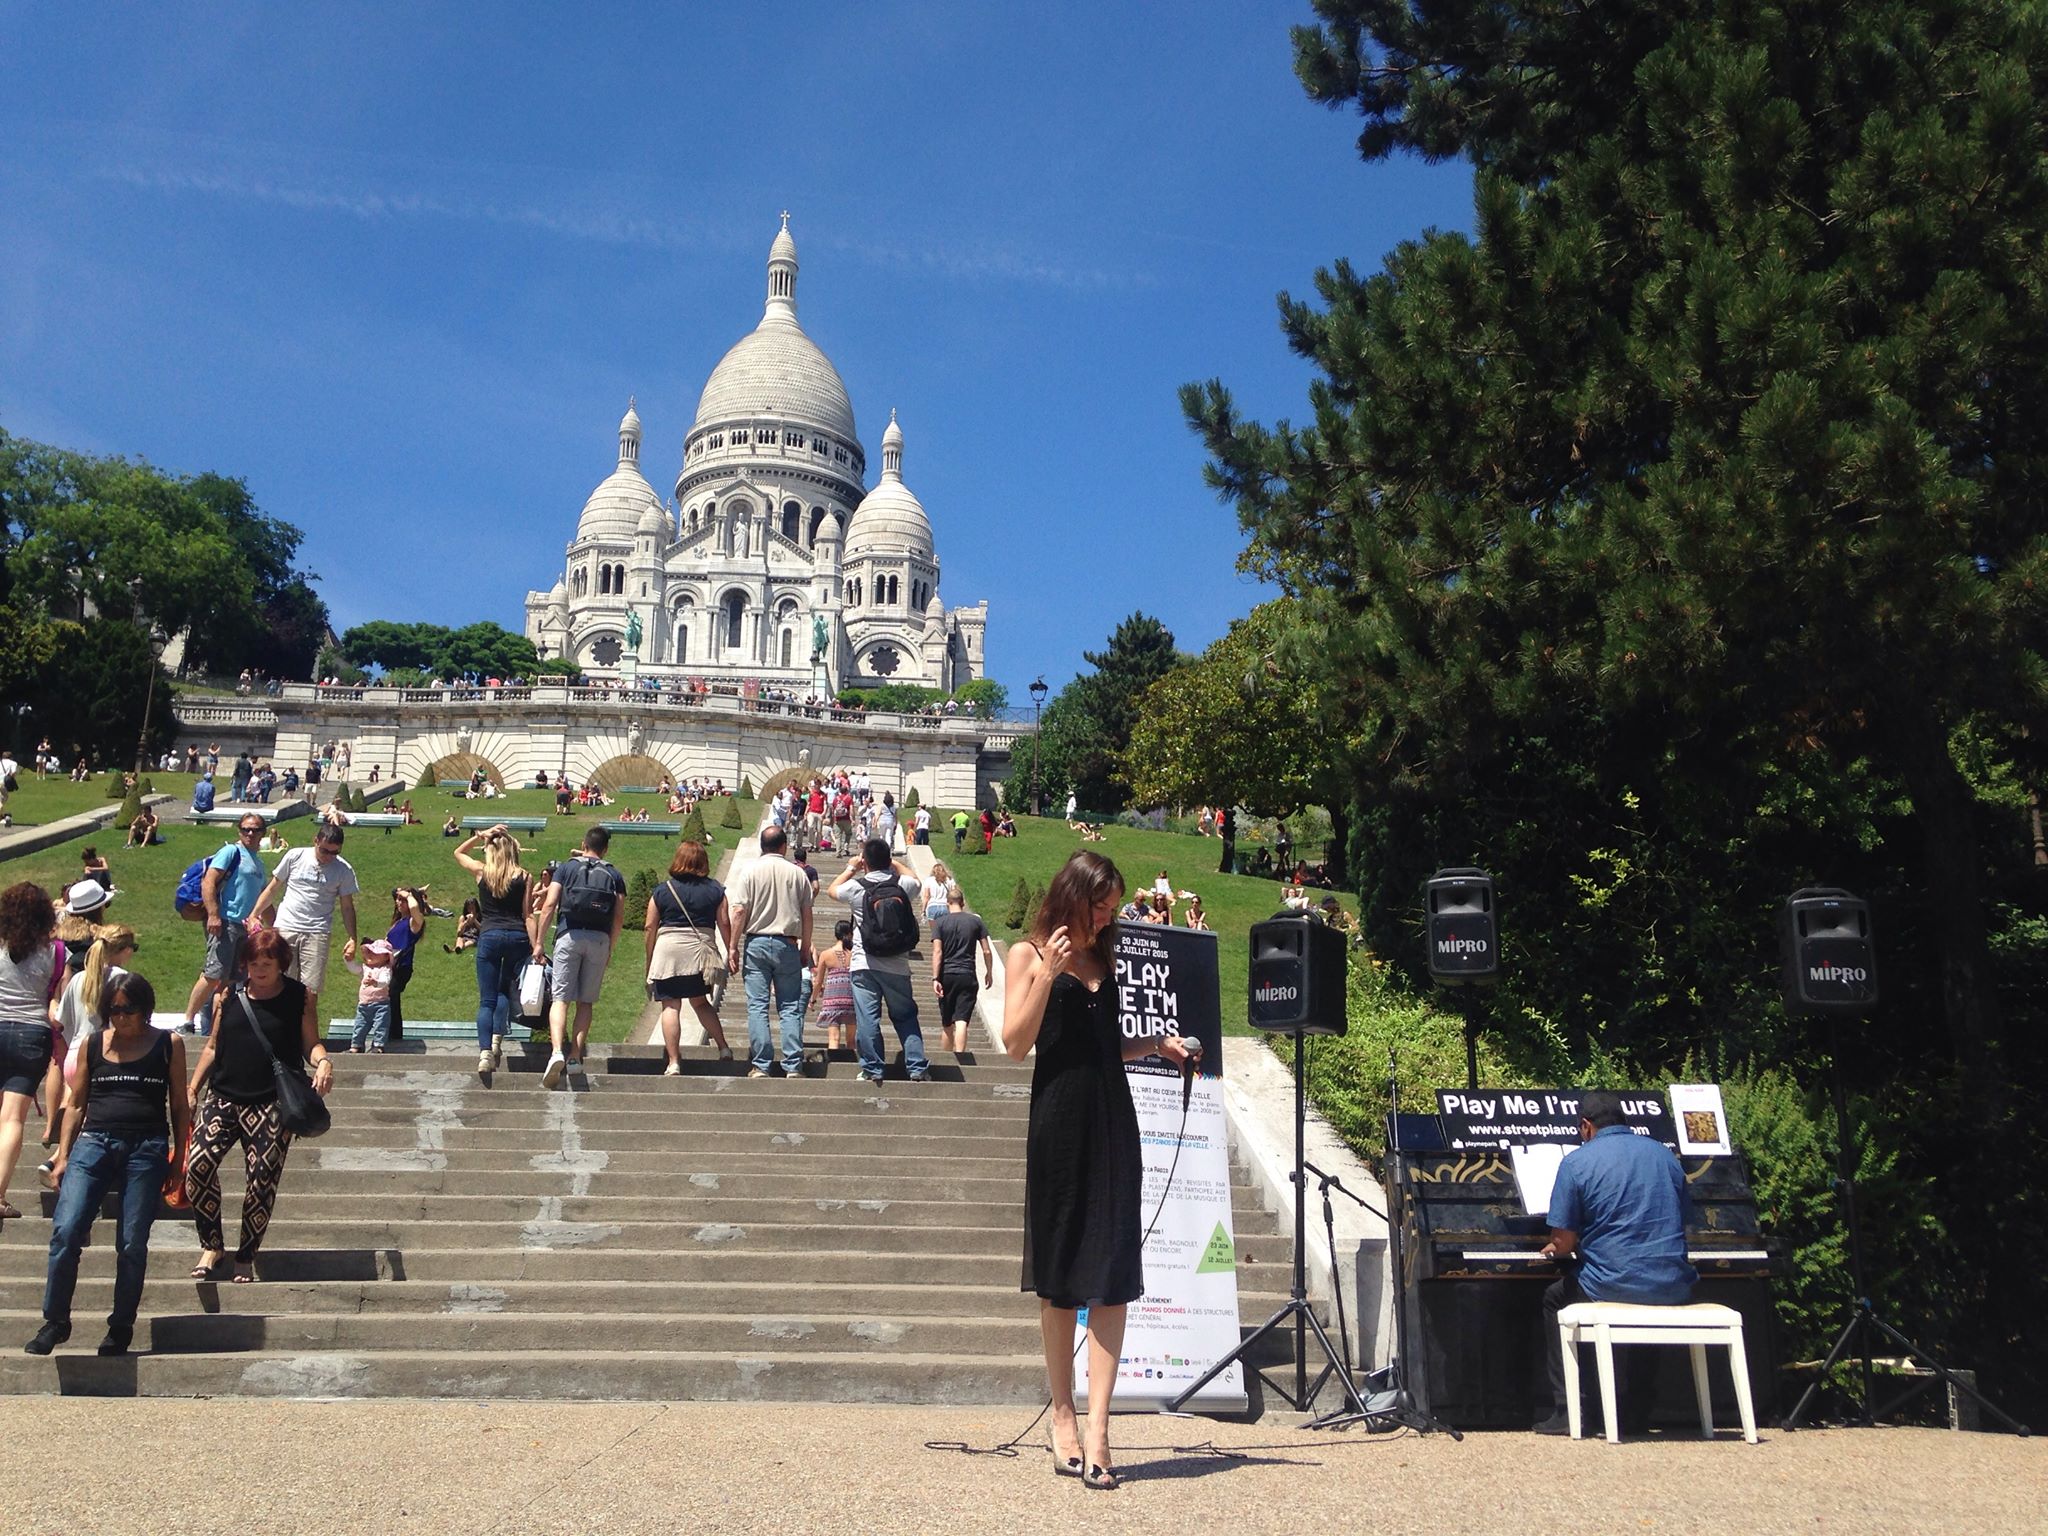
[(1296, 1309), (1863, 1318), (1394, 1404)]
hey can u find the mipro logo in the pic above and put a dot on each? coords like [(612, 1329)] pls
[(1837, 973), (1461, 946), (1273, 992)]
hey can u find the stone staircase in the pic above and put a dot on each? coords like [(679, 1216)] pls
[(631, 1236)]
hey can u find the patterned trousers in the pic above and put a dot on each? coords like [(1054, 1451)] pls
[(220, 1124)]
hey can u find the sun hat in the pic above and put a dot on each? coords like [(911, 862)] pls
[(86, 897)]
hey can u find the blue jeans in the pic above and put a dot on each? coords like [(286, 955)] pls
[(870, 990), (768, 962), (500, 952), (373, 1023), (100, 1162)]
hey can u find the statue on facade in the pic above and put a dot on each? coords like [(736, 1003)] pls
[(635, 738), (633, 631), (818, 637), (462, 740)]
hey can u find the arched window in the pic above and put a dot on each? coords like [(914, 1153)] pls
[(735, 621), (792, 521), (890, 595), (788, 645), (817, 522)]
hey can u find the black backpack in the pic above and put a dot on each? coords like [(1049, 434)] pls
[(887, 925), (588, 895)]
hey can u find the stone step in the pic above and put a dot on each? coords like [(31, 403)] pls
[(823, 1266), (770, 1139), (800, 1239), (707, 1112), (643, 1064), (799, 1332), (324, 1204), (769, 1374), (169, 1290)]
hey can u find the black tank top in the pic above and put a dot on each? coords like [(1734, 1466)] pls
[(500, 913), (128, 1098)]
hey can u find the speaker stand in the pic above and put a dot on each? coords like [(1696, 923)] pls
[(1297, 1310)]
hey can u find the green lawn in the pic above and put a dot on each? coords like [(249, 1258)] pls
[(443, 986), (1232, 902)]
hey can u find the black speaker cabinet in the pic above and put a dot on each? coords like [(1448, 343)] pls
[(1830, 963), (1297, 977), (1464, 947)]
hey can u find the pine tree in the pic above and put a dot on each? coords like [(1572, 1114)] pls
[(1020, 904), (693, 827), (1088, 723), (131, 807), (910, 800), (638, 893), (731, 818), (746, 789), (1031, 909)]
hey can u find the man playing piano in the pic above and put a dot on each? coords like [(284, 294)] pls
[(1619, 1207)]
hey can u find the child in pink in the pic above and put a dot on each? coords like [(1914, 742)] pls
[(373, 997)]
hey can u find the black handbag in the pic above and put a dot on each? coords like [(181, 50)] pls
[(300, 1109)]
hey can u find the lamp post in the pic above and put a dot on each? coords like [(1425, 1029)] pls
[(1038, 691), (157, 639)]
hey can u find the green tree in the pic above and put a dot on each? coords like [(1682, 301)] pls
[(1086, 726), (89, 694), (1246, 724), (1674, 538), (984, 695), (694, 830)]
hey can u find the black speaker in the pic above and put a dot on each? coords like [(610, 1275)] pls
[(1297, 977), (1458, 912), (1830, 963)]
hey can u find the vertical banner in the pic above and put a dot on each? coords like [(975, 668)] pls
[(1187, 1319)]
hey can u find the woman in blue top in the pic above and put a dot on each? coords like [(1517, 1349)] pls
[(408, 922)]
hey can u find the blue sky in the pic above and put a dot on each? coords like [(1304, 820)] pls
[(400, 267)]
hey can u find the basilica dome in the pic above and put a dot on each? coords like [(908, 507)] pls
[(890, 518), (776, 371), (615, 508)]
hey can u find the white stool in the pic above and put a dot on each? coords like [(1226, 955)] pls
[(1607, 1323)]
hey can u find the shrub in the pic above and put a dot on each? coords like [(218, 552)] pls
[(746, 789), (1031, 908), (731, 818), (115, 788), (910, 801), (131, 807), (693, 827), (1020, 903), (148, 786), (638, 894)]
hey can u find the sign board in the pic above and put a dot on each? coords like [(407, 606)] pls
[(1187, 1320), (1701, 1120), (1520, 1117)]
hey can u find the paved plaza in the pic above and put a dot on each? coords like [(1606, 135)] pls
[(514, 1468)]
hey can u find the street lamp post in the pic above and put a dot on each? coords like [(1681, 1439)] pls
[(157, 639), (1038, 691)]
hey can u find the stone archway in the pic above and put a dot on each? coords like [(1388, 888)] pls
[(630, 768), (460, 765)]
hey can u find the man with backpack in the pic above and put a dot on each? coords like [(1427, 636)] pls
[(586, 900), (223, 891), (883, 895), (769, 911)]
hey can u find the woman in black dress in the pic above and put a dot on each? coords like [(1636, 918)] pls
[(1083, 1166)]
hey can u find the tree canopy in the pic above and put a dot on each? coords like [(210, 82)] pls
[(92, 538), (1086, 726), (1677, 537), (420, 651)]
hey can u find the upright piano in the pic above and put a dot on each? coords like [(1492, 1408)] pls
[(1472, 1277)]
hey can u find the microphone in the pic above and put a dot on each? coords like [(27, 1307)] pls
[(1187, 1075)]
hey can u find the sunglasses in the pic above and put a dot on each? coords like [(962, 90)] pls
[(124, 1011), (249, 831)]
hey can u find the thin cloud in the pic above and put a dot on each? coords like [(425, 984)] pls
[(963, 260)]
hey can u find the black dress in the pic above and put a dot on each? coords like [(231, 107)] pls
[(1083, 1167)]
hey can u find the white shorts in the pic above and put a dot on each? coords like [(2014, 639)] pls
[(309, 957)]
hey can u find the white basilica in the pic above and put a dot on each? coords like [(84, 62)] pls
[(773, 563)]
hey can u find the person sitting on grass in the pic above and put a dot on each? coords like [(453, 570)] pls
[(466, 929), (452, 827), (1193, 915), (142, 832)]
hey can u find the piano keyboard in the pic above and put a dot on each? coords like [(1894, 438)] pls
[(1529, 1256)]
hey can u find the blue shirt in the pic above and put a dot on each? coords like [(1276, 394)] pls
[(1625, 1196), (242, 880)]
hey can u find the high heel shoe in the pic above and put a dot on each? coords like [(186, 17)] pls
[(1062, 1466), (1100, 1477)]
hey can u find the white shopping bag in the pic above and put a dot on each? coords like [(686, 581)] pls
[(533, 988)]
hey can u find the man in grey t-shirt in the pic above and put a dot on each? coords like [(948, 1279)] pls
[(881, 979), (312, 882), (956, 935)]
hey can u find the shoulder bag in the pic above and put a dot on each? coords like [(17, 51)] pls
[(300, 1109), (715, 975)]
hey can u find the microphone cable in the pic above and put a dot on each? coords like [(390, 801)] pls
[(1009, 1447)]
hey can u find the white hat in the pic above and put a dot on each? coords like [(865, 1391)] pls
[(86, 898)]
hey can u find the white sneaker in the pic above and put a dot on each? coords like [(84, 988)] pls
[(497, 1050), (483, 1063), (552, 1077), (673, 1069)]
